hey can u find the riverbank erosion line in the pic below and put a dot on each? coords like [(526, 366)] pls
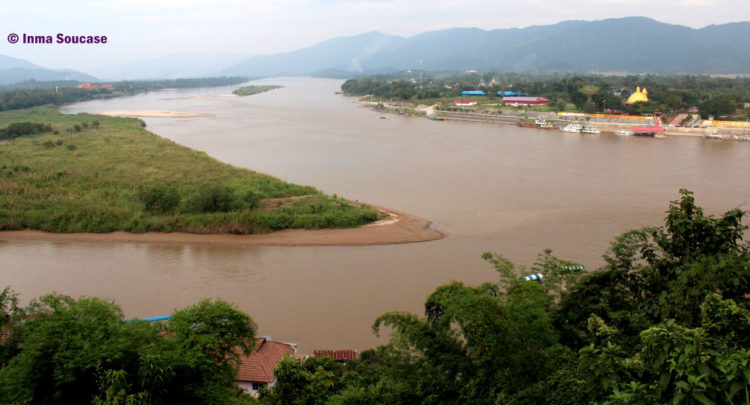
[(396, 228)]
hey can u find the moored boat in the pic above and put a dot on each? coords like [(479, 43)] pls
[(590, 130), (541, 123), (623, 132), (572, 127)]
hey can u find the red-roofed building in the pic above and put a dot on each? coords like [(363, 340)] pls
[(525, 100), (338, 355), (464, 103), (256, 370), (87, 86)]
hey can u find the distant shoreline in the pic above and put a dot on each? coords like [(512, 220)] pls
[(153, 114), (511, 120), (396, 228)]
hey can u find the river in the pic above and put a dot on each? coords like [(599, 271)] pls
[(489, 187)]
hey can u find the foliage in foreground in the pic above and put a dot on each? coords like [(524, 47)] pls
[(667, 320), (90, 173), (62, 350)]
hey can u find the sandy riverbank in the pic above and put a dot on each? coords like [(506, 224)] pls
[(153, 114), (397, 228)]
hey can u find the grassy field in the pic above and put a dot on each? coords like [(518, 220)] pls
[(250, 90), (93, 173)]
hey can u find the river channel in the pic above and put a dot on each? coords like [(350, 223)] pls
[(489, 187)]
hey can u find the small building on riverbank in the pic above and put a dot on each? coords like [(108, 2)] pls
[(464, 103), (517, 101)]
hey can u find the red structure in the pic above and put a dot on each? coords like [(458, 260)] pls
[(650, 131), (525, 100), (89, 86), (342, 355)]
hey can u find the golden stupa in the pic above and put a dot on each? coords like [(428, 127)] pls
[(638, 97)]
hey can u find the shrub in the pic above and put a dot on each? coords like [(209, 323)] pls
[(212, 199), (18, 129), (160, 198)]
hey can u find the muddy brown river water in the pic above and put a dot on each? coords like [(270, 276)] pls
[(511, 190)]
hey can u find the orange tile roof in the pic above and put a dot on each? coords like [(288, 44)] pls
[(338, 355), (258, 366)]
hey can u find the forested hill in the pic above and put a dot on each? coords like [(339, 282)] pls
[(632, 44), (14, 70)]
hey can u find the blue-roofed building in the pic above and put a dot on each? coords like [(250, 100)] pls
[(472, 93), (511, 93)]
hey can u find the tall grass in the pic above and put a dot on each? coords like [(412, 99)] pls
[(93, 173)]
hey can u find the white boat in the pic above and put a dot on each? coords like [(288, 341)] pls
[(572, 127), (623, 132), (713, 135), (543, 123), (590, 130)]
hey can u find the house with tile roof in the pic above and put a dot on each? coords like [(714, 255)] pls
[(340, 355), (256, 370)]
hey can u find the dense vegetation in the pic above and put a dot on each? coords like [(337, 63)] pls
[(667, 320), (32, 94), (61, 350), (589, 93), (250, 90), (90, 173)]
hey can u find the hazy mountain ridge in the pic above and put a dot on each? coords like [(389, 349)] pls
[(630, 44), (633, 44), (176, 66)]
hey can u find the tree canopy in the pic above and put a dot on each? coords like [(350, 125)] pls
[(65, 350)]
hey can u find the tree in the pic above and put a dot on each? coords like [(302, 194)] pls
[(311, 381), (79, 351), (723, 104)]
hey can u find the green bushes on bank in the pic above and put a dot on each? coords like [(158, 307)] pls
[(101, 174)]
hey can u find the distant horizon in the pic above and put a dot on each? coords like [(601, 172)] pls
[(148, 29), (92, 70)]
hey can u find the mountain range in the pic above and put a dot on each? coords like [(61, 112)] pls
[(631, 44), (14, 70), (621, 45)]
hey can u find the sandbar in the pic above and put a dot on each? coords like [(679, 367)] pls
[(153, 114), (396, 228)]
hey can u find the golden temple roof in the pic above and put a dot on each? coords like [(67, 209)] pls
[(639, 96)]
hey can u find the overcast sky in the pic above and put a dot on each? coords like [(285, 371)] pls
[(150, 28)]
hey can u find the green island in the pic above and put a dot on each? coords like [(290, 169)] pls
[(250, 90), (665, 320), (34, 94), (92, 173)]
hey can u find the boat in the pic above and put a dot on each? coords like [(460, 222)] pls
[(572, 127), (541, 123), (590, 130), (623, 132), (713, 135)]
